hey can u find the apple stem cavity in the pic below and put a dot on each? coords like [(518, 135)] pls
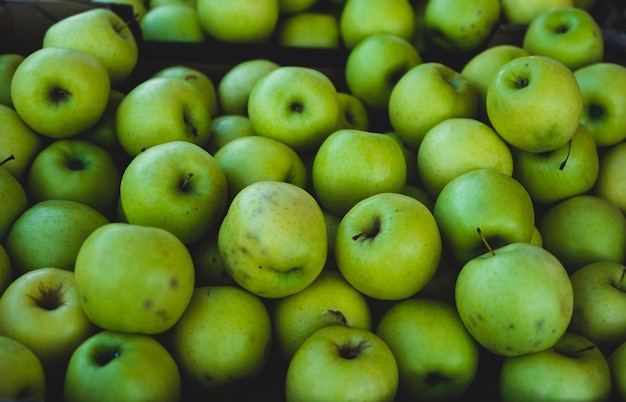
[(621, 282), (349, 352), (569, 151), (103, 357), (521, 82), (50, 297), (185, 182), (561, 29), (192, 129), (58, 95), (369, 234), (297, 107), (8, 158), (482, 237), (596, 112)]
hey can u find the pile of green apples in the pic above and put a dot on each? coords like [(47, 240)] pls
[(417, 232)]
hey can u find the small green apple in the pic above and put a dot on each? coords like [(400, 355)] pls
[(198, 79), (208, 264), (225, 128), (8, 65), (522, 12), (309, 29), (617, 365), (6, 271), (23, 376), (611, 180), (13, 199), (295, 6), (19, 140), (239, 21), (352, 112), (273, 239), (175, 22), (410, 158)]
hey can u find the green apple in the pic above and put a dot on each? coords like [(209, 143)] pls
[(570, 35), (329, 300), (162, 109), (515, 299), (611, 180), (487, 199), (177, 186), (295, 6), (176, 22), (452, 96), (460, 26), (617, 365), (120, 367), (309, 29), (420, 194), (119, 258), (253, 158), (197, 78), (352, 112), (361, 18), (77, 170), (604, 104), (233, 90), (522, 12), (584, 229), (437, 358), (50, 233), (222, 340), (332, 224), (573, 369), (19, 140), (537, 238), (483, 67), (273, 239), (388, 246), (208, 264), (239, 21), (46, 300), (23, 376), (6, 271), (101, 33), (13, 199), (342, 363), (138, 7), (295, 105), (352, 165), (456, 146), (537, 86), (598, 294), (553, 176), (8, 65), (59, 91), (410, 158), (375, 65), (158, 3), (225, 128)]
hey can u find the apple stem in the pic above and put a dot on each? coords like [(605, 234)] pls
[(8, 158), (482, 237), (185, 181), (569, 150), (127, 23)]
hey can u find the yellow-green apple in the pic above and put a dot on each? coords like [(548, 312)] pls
[(604, 105), (239, 21), (352, 165), (611, 180), (522, 12), (388, 246), (176, 22), (150, 266), (162, 109), (483, 67), (273, 239), (233, 90), (352, 112), (77, 170), (456, 146), (8, 65), (295, 6), (332, 224), (555, 175), (101, 33), (197, 78), (342, 363), (452, 96), (6, 271), (253, 158), (222, 341), (437, 358), (487, 199), (573, 369), (515, 299), (13, 199), (362, 18), (59, 91), (46, 300), (410, 159), (420, 194), (208, 264), (598, 301), (23, 377), (177, 186), (49, 234), (537, 86), (225, 128), (296, 105), (374, 66), (537, 238), (309, 29), (460, 26), (118, 366), (158, 3), (570, 35), (18, 140), (617, 365), (329, 300), (583, 229)]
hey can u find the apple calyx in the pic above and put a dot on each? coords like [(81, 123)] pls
[(596, 112), (49, 297), (297, 107), (561, 29), (350, 351), (8, 158), (58, 95), (185, 182), (105, 355), (569, 151), (521, 82), (482, 237), (370, 233), (336, 316)]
